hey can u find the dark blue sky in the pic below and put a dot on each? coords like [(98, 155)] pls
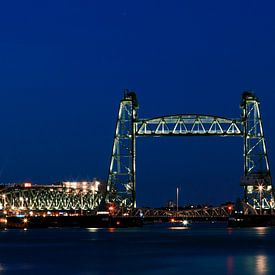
[(64, 65)]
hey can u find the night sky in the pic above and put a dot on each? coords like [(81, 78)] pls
[(64, 66)]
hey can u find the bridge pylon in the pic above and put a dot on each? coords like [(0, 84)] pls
[(257, 183)]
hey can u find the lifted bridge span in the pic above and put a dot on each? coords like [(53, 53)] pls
[(120, 188)]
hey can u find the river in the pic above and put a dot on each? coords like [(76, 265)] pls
[(203, 248)]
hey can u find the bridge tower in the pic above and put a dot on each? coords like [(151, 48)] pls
[(257, 183), (121, 184)]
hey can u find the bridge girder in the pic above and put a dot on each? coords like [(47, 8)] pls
[(209, 212), (189, 125)]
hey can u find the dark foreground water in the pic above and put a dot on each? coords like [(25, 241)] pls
[(202, 249)]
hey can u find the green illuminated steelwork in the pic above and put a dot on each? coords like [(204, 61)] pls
[(39, 197), (121, 184), (258, 190), (209, 212), (121, 187), (189, 125)]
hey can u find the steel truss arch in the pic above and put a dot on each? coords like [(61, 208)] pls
[(189, 125), (48, 198)]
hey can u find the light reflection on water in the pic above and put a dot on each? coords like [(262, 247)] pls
[(242, 264), (230, 265), (158, 249), (261, 231), (261, 264), (92, 229), (178, 228)]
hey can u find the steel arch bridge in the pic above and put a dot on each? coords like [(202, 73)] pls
[(65, 196), (256, 181)]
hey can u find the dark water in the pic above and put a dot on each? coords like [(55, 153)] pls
[(202, 249)]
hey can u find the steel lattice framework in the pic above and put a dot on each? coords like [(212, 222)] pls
[(258, 190), (257, 178), (49, 198), (204, 212), (121, 183), (188, 125)]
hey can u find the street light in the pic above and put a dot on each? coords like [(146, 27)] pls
[(260, 188), (177, 200)]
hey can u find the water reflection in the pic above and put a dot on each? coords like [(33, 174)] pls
[(178, 228), (230, 230), (230, 265), (261, 231), (252, 264), (111, 229), (92, 229), (199, 250), (261, 264)]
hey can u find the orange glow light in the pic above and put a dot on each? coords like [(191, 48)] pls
[(27, 184)]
